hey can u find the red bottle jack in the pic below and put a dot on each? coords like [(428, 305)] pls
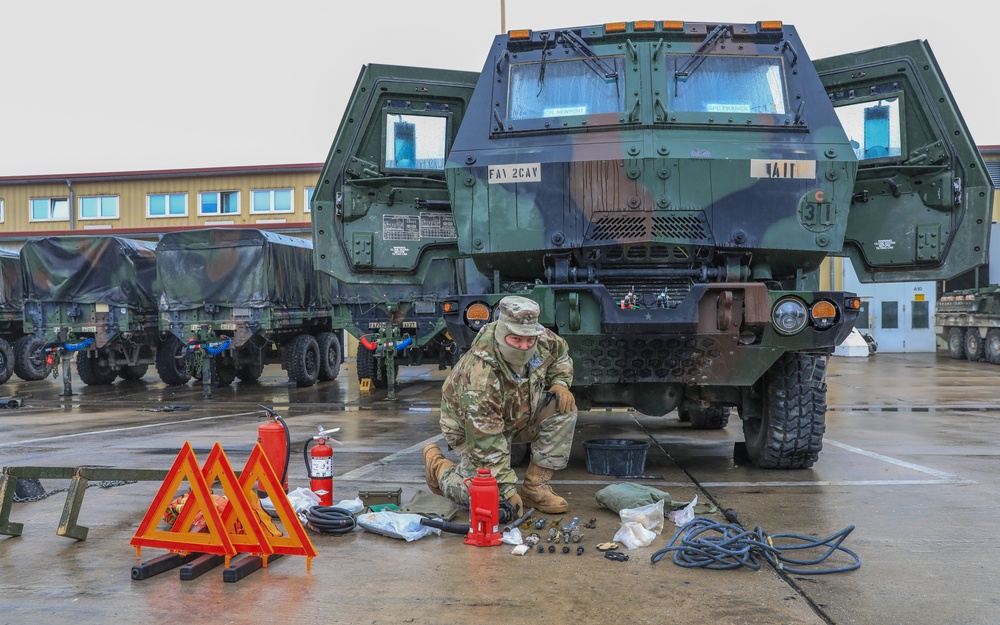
[(484, 510)]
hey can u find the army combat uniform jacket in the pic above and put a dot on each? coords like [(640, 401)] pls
[(486, 408)]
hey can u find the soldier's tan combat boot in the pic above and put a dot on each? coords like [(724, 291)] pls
[(434, 465), (538, 494)]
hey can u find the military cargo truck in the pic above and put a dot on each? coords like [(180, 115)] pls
[(968, 322), (11, 311), (94, 296), (667, 192), (232, 300)]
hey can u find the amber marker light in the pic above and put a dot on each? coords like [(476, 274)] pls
[(614, 27), (644, 25), (823, 314), (853, 303), (673, 25), (770, 25), (519, 35), (477, 312)]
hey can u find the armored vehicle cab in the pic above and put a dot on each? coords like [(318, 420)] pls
[(233, 300), (91, 295), (667, 192)]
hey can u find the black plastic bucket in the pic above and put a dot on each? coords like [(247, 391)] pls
[(616, 456)]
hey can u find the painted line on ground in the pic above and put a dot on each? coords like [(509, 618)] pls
[(948, 477), (128, 429), (355, 474)]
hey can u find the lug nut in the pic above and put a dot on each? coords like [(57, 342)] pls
[(565, 549), (552, 548), (579, 550)]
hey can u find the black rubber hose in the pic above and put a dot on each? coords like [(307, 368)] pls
[(288, 449), (330, 520), (445, 526)]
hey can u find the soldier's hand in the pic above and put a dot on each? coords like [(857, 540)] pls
[(565, 402)]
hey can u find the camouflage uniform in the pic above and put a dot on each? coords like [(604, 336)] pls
[(486, 407)]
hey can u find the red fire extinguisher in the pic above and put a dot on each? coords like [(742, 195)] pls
[(484, 510), (276, 442), (319, 465)]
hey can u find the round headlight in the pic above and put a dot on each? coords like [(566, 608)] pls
[(789, 315)]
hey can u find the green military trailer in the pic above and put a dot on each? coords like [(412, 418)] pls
[(92, 295), (233, 300), (668, 193), (11, 311)]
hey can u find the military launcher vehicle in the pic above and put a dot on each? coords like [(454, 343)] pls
[(968, 322), (667, 192), (94, 296), (11, 311), (233, 300)]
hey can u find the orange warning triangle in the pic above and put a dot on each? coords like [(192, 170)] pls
[(179, 538), (296, 543), (253, 538)]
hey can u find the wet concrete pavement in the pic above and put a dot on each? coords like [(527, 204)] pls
[(910, 459)]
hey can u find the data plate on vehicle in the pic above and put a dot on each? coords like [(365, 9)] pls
[(229, 326), (88, 329)]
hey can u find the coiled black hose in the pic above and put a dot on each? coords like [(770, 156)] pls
[(330, 520), (732, 547), (454, 528)]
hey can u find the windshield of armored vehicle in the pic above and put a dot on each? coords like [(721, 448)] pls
[(727, 84), (565, 88)]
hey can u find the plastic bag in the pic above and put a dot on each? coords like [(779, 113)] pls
[(686, 515), (396, 525), (354, 506), (649, 516), (301, 499), (513, 537), (633, 534)]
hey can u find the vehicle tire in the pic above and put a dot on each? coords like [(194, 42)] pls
[(369, 367), (973, 345), (6, 361), (992, 346), (303, 360), (250, 373), (956, 343), (223, 372), (365, 363), (789, 432), (330, 356), (170, 362), (132, 372), (711, 418), (94, 368), (29, 359)]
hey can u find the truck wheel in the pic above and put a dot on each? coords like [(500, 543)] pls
[(711, 418), (94, 369), (789, 432), (369, 367), (6, 361), (250, 373), (973, 345), (330, 356), (303, 360), (956, 343), (993, 346), (223, 372), (29, 359), (132, 372), (170, 362)]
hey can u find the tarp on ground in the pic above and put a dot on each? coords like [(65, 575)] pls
[(238, 267), (90, 269), (11, 289)]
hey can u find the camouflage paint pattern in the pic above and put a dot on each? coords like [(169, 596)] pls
[(239, 283), (656, 236), (11, 295), (485, 408), (89, 286)]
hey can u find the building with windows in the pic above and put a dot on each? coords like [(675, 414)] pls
[(146, 204)]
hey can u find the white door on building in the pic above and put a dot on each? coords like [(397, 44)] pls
[(899, 315)]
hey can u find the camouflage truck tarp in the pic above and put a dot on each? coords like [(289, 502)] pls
[(11, 289), (88, 270), (238, 267)]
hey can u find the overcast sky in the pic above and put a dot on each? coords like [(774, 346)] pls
[(123, 85)]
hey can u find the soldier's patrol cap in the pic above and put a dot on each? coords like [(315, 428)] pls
[(520, 315)]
